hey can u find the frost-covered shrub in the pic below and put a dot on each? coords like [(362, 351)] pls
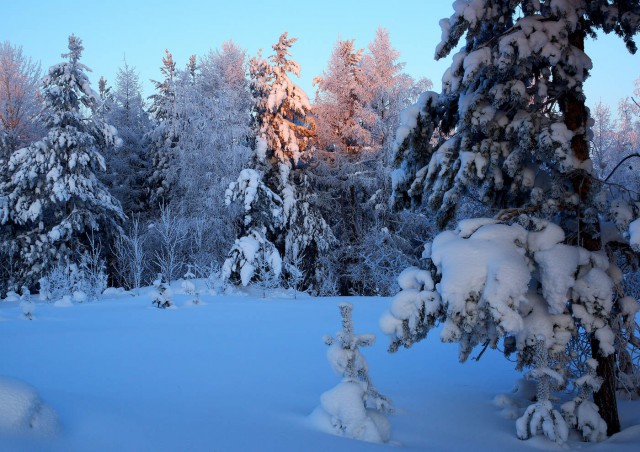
[(171, 233), (541, 416), (162, 295), (189, 286), (354, 408), (60, 281), (26, 305), (131, 256), (92, 275), (268, 272), (293, 268), (581, 413)]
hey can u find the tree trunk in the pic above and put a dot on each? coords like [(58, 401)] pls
[(572, 104), (605, 398)]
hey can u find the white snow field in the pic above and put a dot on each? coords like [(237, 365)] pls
[(240, 373)]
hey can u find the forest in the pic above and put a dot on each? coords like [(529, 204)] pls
[(502, 211)]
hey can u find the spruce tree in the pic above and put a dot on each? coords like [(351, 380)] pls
[(510, 130), (280, 218), (163, 138), (128, 164), (52, 197)]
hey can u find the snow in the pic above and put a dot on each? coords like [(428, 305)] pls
[(486, 264), (344, 403), (241, 373), (22, 411), (634, 234)]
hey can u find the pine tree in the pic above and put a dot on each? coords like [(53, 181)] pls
[(509, 130), (52, 197)]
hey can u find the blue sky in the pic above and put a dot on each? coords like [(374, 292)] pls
[(142, 29)]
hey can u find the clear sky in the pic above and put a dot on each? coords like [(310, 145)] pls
[(142, 29)]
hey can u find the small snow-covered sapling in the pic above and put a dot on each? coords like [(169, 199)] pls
[(27, 306), (354, 408), (189, 286), (541, 416), (294, 271), (162, 295), (581, 413)]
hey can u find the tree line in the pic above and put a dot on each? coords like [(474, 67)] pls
[(226, 168)]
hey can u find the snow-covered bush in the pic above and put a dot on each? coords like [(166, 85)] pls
[(60, 281), (354, 408), (162, 295), (171, 233), (92, 275), (293, 268), (130, 255), (581, 413), (26, 304), (541, 416), (268, 272), (189, 286)]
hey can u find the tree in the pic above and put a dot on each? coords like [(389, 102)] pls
[(509, 129), (213, 119), (354, 408), (602, 152), (358, 105), (342, 118), (128, 164), (389, 90), (163, 137), (279, 212), (53, 197), (19, 100)]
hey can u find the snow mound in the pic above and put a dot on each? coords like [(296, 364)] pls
[(343, 412), (22, 411)]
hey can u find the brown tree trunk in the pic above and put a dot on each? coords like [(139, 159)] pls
[(575, 112), (605, 398)]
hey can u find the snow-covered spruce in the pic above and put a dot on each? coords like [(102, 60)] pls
[(52, 196), (510, 130), (581, 413), (129, 164), (163, 137), (541, 416), (162, 295), (278, 212), (491, 280), (354, 408), (26, 305)]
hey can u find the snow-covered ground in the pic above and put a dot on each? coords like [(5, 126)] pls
[(238, 373)]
